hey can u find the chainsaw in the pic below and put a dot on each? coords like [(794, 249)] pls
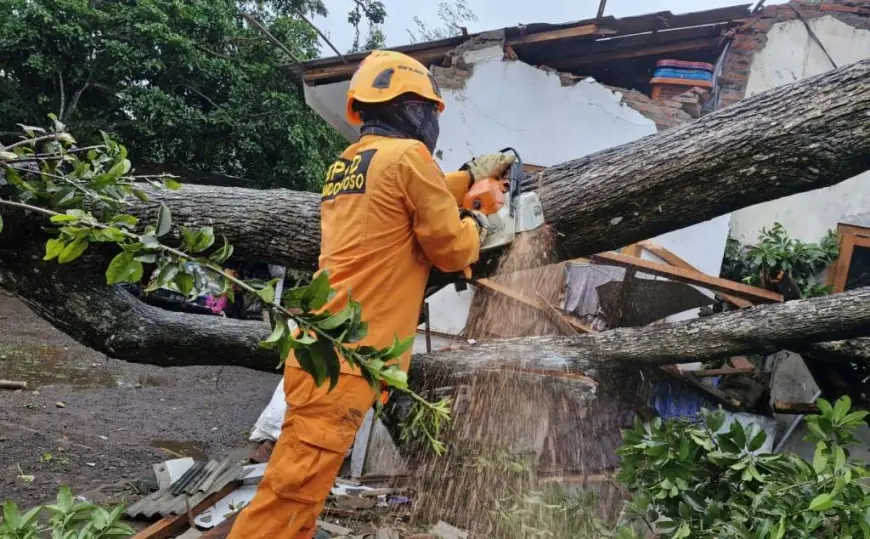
[(509, 210)]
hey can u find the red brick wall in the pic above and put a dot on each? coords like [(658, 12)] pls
[(752, 37)]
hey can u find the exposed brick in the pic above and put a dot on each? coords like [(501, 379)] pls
[(835, 7), (263, 452), (672, 104), (762, 26)]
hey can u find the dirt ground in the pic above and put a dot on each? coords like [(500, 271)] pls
[(98, 424)]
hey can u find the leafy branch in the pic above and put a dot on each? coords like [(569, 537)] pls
[(84, 193)]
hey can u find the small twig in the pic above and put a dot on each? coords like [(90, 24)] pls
[(273, 39), (62, 94), (36, 140), (322, 35), (200, 94), (75, 100), (22, 206), (52, 156)]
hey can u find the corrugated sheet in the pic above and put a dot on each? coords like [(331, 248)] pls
[(201, 480)]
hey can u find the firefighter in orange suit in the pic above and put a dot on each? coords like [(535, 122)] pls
[(388, 214)]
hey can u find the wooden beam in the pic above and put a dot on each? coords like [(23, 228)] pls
[(795, 408), (674, 260), (689, 277), (593, 57), (601, 9), (345, 71), (564, 33), (726, 371)]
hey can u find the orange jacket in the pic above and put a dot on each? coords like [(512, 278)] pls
[(388, 214)]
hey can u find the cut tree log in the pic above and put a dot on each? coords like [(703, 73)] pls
[(806, 135)]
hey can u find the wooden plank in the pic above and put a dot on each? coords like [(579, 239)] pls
[(795, 408), (635, 249), (535, 304), (564, 33), (716, 393), (169, 527), (675, 260), (844, 260), (727, 371), (690, 277), (572, 62)]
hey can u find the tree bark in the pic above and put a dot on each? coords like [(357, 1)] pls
[(803, 136), (760, 329)]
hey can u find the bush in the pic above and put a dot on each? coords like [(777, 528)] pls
[(67, 520)]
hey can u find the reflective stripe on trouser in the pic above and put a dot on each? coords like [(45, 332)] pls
[(319, 427)]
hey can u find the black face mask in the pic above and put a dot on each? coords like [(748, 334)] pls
[(404, 118)]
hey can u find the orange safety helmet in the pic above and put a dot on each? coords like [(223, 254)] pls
[(385, 75)]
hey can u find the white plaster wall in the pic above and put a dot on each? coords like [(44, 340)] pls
[(513, 104), (790, 55)]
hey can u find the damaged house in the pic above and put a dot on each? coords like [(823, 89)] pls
[(560, 92)]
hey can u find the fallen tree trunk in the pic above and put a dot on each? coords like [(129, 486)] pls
[(760, 329), (806, 135)]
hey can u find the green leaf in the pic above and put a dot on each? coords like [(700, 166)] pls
[(757, 441), (820, 457), (11, 515), (825, 407), (124, 268), (395, 377), (223, 254), (30, 517), (399, 347), (140, 194), (120, 168), (337, 319), (164, 220), (148, 240), (715, 420), (73, 250), (204, 239), (184, 282), (822, 502), (683, 531), (278, 331), (53, 248), (841, 409), (64, 498), (124, 220), (1, 223), (171, 184), (780, 529), (855, 417), (839, 458), (167, 274), (315, 368), (63, 218), (317, 292), (267, 294), (331, 363)]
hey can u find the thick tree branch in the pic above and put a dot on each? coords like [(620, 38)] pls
[(760, 329), (803, 136)]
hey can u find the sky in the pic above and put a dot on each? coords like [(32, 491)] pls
[(493, 14)]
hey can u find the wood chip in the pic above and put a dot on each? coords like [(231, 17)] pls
[(334, 529), (446, 531)]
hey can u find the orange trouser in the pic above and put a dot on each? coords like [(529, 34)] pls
[(318, 429)]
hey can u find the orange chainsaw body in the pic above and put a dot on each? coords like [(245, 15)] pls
[(485, 196)]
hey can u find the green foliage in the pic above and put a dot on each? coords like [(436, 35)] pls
[(704, 481), (186, 84), (776, 252), (49, 176), (68, 520), (373, 11), (453, 17)]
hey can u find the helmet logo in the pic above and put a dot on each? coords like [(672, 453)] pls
[(382, 81), (434, 83)]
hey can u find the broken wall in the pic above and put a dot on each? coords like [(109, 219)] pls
[(495, 102), (775, 48)]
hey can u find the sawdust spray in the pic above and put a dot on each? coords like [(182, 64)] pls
[(488, 481)]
